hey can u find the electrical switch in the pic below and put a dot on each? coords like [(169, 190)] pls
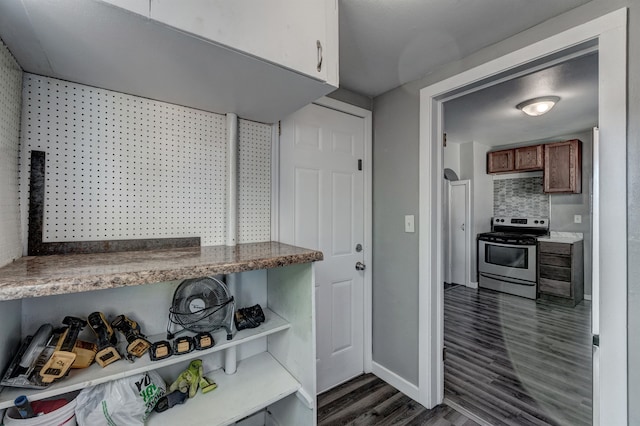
[(409, 225)]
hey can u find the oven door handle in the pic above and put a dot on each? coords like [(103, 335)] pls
[(508, 280)]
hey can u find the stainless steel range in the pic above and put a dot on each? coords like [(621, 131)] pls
[(507, 259)]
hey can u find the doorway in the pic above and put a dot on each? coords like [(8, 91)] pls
[(610, 366), (324, 183)]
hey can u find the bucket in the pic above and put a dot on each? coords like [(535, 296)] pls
[(63, 416)]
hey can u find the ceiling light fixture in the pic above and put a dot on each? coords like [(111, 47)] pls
[(538, 106)]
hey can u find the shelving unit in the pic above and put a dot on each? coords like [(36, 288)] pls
[(258, 382), (275, 361), (94, 375)]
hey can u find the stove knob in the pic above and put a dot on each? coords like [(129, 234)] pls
[(542, 222), (535, 221)]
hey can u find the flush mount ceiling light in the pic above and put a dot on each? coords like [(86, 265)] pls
[(538, 106)]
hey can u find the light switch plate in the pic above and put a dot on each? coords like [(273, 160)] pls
[(409, 224), (577, 218)]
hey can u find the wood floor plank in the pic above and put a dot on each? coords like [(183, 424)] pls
[(512, 361), (369, 401)]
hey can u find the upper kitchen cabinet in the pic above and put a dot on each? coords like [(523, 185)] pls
[(563, 167), (500, 161), (260, 60), (529, 158)]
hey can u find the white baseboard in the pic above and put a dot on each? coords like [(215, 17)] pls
[(396, 381), (472, 285), (587, 297)]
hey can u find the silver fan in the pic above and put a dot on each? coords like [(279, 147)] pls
[(201, 304)]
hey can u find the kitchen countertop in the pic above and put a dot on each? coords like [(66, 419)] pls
[(562, 237), (36, 276)]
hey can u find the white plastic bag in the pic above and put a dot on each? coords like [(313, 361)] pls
[(121, 402)]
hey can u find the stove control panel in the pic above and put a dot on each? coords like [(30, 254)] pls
[(524, 222)]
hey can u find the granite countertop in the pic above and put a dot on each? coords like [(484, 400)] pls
[(35, 276), (562, 237)]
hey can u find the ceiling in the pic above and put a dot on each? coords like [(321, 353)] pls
[(386, 43), (489, 116)]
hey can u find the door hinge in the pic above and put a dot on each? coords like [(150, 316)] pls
[(596, 340), (444, 353), (279, 128), (360, 164), (444, 140)]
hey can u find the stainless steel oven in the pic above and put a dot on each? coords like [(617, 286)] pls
[(507, 256)]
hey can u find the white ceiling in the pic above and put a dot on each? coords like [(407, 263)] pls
[(489, 116), (386, 43)]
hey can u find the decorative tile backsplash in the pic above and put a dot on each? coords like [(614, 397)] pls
[(521, 197)]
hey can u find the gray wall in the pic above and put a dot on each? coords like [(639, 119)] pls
[(396, 141), (352, 98)]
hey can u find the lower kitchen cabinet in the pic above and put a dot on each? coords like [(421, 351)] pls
[(276, 361), (561, 272)]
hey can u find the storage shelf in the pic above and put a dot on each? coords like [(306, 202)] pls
[(258, 382), (79, 379)]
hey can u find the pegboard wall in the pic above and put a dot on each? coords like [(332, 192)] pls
[(10, 106), (124, 167), (254, 182)]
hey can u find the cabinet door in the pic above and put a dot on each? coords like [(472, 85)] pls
[(500, 161), (299, 35), (563, 167), (529, 158)]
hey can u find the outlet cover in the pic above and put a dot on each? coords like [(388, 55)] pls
[(577, 218)]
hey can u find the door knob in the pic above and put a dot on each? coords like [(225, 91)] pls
[(360, 266)]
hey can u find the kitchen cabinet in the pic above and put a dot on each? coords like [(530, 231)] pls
[(563, 167), (500, 161), (259, 60), (529, 158), (560, 272), (275, 361)]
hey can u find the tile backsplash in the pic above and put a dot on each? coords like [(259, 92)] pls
[(520, 197)]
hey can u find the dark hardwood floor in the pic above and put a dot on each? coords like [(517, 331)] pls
[(367, 400), (512, 361)]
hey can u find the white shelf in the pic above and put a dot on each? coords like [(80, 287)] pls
[(258, 382), (80, 379)]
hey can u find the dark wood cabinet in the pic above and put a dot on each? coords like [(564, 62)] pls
[(500, 161), (563, 167), (529, 158), (560, 272)]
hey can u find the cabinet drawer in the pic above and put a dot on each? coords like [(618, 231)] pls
[(555, 260), (557, 248), (558, 288), (556, 273)]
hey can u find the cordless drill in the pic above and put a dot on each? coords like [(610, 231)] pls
[(137, 344), (63, 357), (107, 340)]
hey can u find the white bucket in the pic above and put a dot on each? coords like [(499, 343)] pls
[(63, 416)]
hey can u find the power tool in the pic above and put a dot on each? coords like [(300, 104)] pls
[(107, 340), (63, 357), (137, 343)]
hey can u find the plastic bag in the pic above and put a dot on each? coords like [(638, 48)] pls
[(121, 402)]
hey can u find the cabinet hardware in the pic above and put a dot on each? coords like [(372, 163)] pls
[(319, 46)]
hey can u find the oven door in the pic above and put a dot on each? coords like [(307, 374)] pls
[(507, 260)]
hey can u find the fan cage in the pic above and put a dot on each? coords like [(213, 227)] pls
[(201, 304)]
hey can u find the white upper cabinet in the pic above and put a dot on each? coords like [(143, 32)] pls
[(299, 35), (262, 60)]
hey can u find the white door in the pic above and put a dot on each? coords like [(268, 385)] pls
[(321, 207), (459, 213)]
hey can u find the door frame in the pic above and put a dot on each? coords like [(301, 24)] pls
[(467, 231), (610, 33), (366, 116)]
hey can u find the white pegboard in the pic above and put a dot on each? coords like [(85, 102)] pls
[(124, 167), (254, 182), (10, 105)]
